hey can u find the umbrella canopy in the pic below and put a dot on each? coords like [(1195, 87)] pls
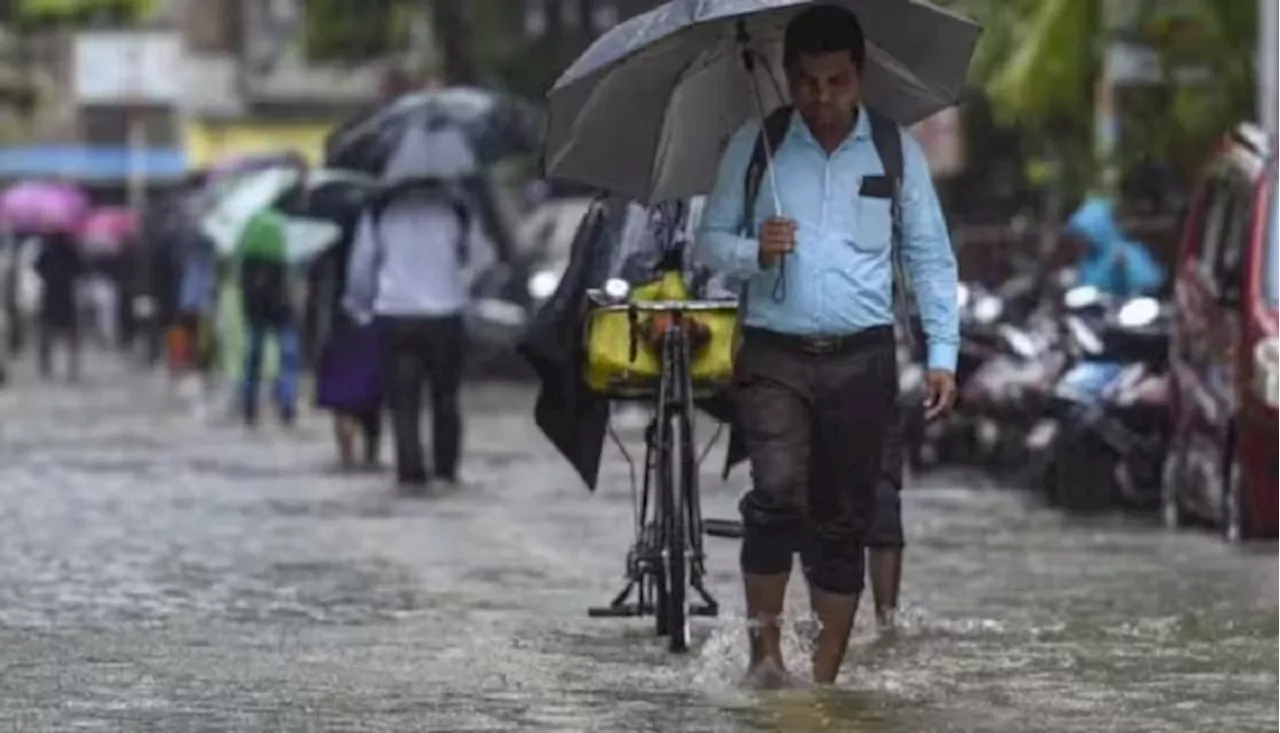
[(647, 110), (43, 207), (270, 235), (108, 229), (495, 126), (335, 195), (238, 202), (247, 216)]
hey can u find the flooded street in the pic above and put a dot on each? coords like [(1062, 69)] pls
[(167, 572)]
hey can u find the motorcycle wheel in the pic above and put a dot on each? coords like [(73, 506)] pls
[(1083, 474)]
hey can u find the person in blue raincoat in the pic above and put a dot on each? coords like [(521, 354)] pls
[(1108, 260)]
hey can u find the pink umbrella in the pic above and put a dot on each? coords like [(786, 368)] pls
[(107, 229), (43, 207)]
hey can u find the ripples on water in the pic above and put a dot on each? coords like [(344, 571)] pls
[(165, 572)]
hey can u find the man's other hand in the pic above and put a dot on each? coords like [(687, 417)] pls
[(940, 393)]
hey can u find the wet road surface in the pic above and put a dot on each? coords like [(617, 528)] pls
[(163, 571)]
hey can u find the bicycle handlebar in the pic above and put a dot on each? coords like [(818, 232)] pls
[(659, 306)]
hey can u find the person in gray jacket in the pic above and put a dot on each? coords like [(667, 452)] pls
[(408, 271)]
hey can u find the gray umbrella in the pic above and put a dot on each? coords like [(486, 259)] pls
[(646, 111)]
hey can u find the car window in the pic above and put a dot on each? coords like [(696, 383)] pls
[(1271, 261)]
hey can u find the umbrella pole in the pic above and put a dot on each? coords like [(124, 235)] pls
[(749, 63)]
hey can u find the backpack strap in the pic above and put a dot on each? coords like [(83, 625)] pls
[(886, 135), (772, 130)]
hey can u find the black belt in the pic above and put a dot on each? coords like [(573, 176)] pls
[(822, 345)]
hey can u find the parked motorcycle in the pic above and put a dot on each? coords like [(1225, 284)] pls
[(1007, 364), (1107, 432), (949, 441)]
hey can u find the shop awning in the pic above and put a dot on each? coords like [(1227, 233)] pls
[(101, 164)]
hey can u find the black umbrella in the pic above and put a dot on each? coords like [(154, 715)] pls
[(496, 125)]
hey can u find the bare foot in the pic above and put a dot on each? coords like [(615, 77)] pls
[(887, 622), (768, 675)]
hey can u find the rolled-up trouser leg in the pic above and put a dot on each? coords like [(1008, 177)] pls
[(775, 419)]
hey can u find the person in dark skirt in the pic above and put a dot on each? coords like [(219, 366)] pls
[(349, 362)]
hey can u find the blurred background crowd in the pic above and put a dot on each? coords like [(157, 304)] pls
[(125, 123)]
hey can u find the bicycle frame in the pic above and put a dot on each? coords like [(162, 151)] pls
[(667, 557)]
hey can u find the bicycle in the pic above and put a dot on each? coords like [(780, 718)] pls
[(666, 559)]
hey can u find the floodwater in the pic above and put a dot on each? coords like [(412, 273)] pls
[(167, 571)]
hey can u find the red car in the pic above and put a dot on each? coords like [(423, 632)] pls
[(1221, 465)]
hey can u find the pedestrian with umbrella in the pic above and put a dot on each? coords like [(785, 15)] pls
[(349, 362), (50, 213), (106, 238), (407, 275), (408, 267), (253, 225), (813, 202)]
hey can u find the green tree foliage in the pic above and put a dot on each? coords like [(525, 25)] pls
[(1039, 61), (32, 14), (355, 31)]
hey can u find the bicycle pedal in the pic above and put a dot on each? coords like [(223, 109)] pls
[(626, 610), (730, 529), (704, 610)]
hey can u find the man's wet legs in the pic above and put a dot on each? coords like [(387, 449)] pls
[(775, 423), (256, 340), (885, 568), (406, 366), (289, 372), (885, 540), (44, 350), (370, 422), (444, 372), (425, 349), (765, 595), (854, 397)]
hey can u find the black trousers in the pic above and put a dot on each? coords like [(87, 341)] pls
[(425, 350), (814, 416)]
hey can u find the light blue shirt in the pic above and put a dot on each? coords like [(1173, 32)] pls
[(839, 279)]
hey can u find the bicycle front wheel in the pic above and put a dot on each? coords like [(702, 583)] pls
[(674, 551)]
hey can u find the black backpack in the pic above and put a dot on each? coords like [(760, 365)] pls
[(886, 135)]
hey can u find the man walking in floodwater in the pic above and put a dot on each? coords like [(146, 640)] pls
[(816, 376)]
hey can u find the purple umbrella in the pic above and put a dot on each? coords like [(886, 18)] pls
[(43, 207)]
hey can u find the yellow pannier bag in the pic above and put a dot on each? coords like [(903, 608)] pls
[(615, 368)]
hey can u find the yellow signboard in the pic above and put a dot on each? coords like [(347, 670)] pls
[(209, 142)]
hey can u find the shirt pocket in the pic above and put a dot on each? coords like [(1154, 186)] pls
[(873, 227)]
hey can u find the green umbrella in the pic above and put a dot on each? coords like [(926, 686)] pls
[(271, 235), (236, 204), (244, 221)]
